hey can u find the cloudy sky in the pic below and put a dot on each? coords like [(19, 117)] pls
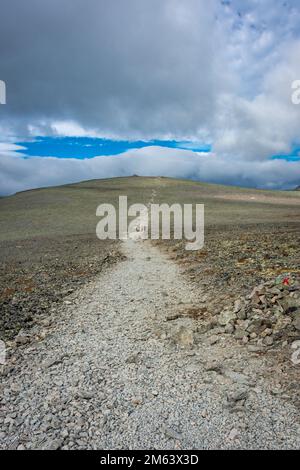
[(195, 89)]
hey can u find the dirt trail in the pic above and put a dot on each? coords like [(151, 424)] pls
[(114, 372)]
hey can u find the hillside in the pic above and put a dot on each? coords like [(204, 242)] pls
[(48, 243), (142, 338), (71, 209)]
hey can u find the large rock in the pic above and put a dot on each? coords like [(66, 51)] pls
[(240, 333), (296, 321), (237, 305), (290, 304), (255, 325), (226, 317), (183, 336), (241, 314), (22, 337)]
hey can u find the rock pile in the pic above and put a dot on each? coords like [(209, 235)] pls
[(271, 313)]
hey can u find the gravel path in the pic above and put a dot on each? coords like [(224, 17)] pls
[(113, 370)]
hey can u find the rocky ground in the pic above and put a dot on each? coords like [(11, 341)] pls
[(250, 275), (145, 356), (38, 273)]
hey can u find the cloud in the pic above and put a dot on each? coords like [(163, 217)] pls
[(127, 68), (10, 150), (17, 174), (218, 72), (257, 119)]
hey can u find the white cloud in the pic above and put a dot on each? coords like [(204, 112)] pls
[(70, 129), (257, 119), (10, 149), (194, 70), (18, 174)]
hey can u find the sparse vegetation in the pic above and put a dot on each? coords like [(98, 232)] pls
[(48, 243)]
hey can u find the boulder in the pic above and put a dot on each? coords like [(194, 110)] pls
[(226, 317)]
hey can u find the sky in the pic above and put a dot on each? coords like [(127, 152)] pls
[(191, 89)]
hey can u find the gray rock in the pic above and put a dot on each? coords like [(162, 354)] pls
[(54, 444), (236, 396), (240, 333), (213, 339), (255, 325), (268, 341), (184, 337), (296, 322), (52, 362), (85, 394), (133, 358), (172, 434), (229, 328), (241, 314), (225, 317), (239, 378), (22, 338), (237, 306)]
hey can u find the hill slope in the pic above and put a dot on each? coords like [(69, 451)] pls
[(142, 348), (71, 209)]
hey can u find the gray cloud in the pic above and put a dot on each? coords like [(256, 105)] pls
[(125, 68), (18, 174), (214, 71)]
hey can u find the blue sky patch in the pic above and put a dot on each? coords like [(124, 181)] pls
[(87, 147), (294, 156)]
